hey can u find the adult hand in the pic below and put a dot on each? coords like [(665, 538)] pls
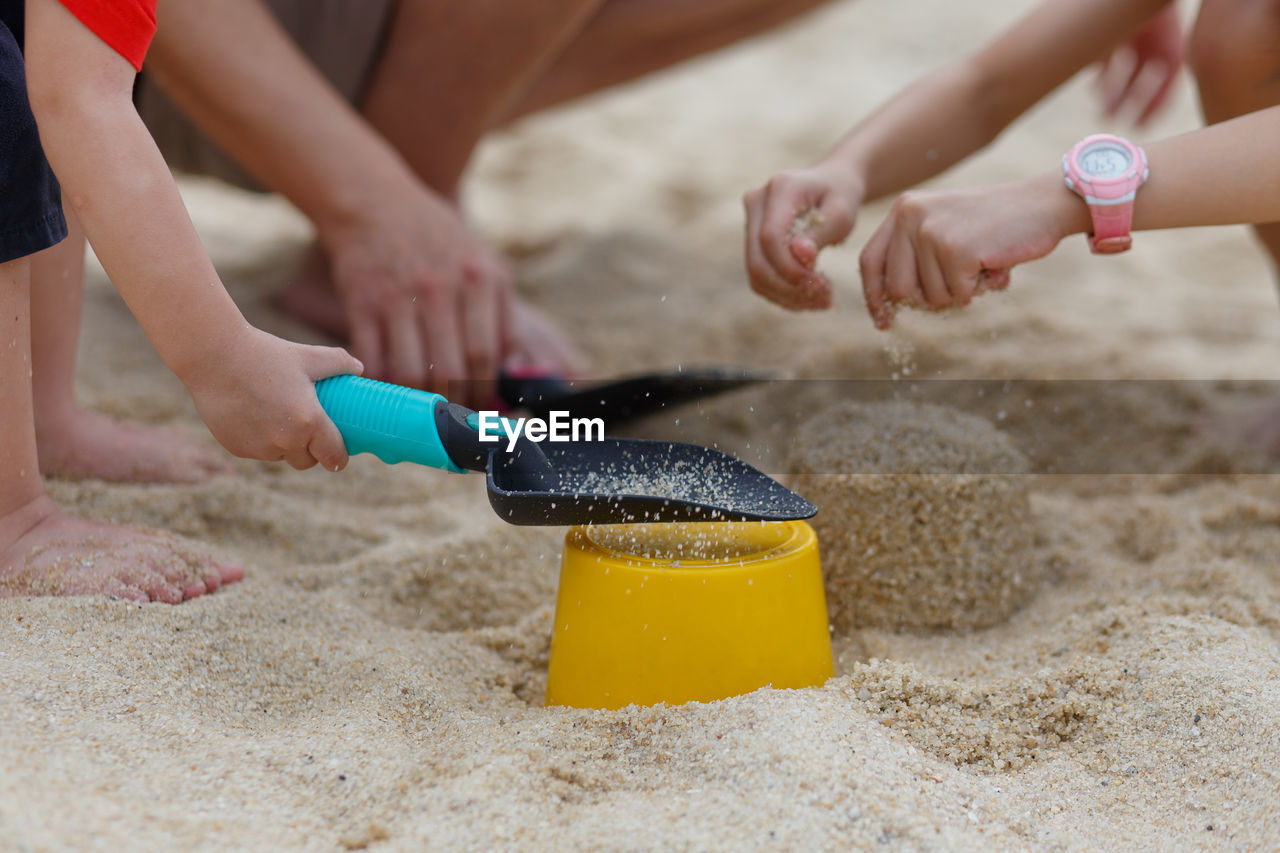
[(426, 302), (259, 399), (790, 220), (1142, 72), (939, 249)]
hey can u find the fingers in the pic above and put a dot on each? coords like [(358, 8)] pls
[(508, 339), (812, 231), (230, 572), (440, 318), (782, 217), (300, 459), (366, 343), (773, 270), (902, 275), (327, 446), (1126, 90), (872, 265), (1169, 75), (993, 279), (323, 362), (317, 439), (805, 249), (1116, 78), (1143, 71), (765, 279), (834, 222), (539, 344), (966, 278), (934, 283), (406, 351), (925, 255), (482, 319), (441, 334), (789, 221)]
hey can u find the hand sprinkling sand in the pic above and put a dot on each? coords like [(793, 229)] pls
[(805, 250)]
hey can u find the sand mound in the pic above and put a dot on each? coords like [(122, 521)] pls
[(923, 516)]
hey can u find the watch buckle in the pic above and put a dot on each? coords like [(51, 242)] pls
[(1111, 245)]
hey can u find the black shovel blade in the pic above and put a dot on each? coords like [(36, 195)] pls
[(626, 481), (625, 398)]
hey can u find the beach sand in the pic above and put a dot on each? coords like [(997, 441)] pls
[(376, 680)]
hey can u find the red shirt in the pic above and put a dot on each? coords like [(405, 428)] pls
[(125, 25)]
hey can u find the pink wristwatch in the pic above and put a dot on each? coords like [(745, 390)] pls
[(1106, 172)]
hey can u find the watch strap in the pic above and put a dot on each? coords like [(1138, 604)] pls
[(1112, 224)]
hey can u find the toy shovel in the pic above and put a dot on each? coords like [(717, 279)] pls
[(624, 398), (579, 480)]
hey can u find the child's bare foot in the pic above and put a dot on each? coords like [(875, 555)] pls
[(44, 552), (85, 445), (311, 299), (540, 343)]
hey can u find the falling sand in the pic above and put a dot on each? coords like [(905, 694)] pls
[(376, 680)]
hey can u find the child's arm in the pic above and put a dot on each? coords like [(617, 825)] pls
[(938, 249), (253, 390), (928, 127)]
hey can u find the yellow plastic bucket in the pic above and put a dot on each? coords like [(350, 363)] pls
[(674, 613)]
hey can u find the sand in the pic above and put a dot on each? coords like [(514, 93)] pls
[(925, 518), (375, 681)]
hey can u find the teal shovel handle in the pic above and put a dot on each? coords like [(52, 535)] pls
[(394, 423)]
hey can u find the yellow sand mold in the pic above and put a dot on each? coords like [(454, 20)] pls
[(687, 612)]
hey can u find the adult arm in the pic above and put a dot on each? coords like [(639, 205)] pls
[(254, 390), (426, 302)]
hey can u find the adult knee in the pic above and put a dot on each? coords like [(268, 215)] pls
[(1232, 54)]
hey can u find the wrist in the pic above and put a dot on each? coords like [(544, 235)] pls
[(360, 198), (206, 351), (1066, 212), (846, 176)]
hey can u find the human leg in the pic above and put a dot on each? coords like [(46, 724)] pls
[(76, 443), (1233, 55), (447, 74), (627, 39), (434, 94), (450, 71), (42, 550)]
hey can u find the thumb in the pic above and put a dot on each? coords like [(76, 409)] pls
[(323, 362), (826, 225)]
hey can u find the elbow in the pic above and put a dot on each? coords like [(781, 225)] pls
[(63, 102), (48, 100)]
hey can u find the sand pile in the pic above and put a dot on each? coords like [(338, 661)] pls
[(923, 520)]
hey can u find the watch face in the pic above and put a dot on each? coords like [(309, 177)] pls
[(1105, 160)]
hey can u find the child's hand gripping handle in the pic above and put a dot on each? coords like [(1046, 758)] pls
[(394, 423), (398, 424)]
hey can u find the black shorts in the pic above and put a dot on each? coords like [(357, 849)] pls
[(30, 200)]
